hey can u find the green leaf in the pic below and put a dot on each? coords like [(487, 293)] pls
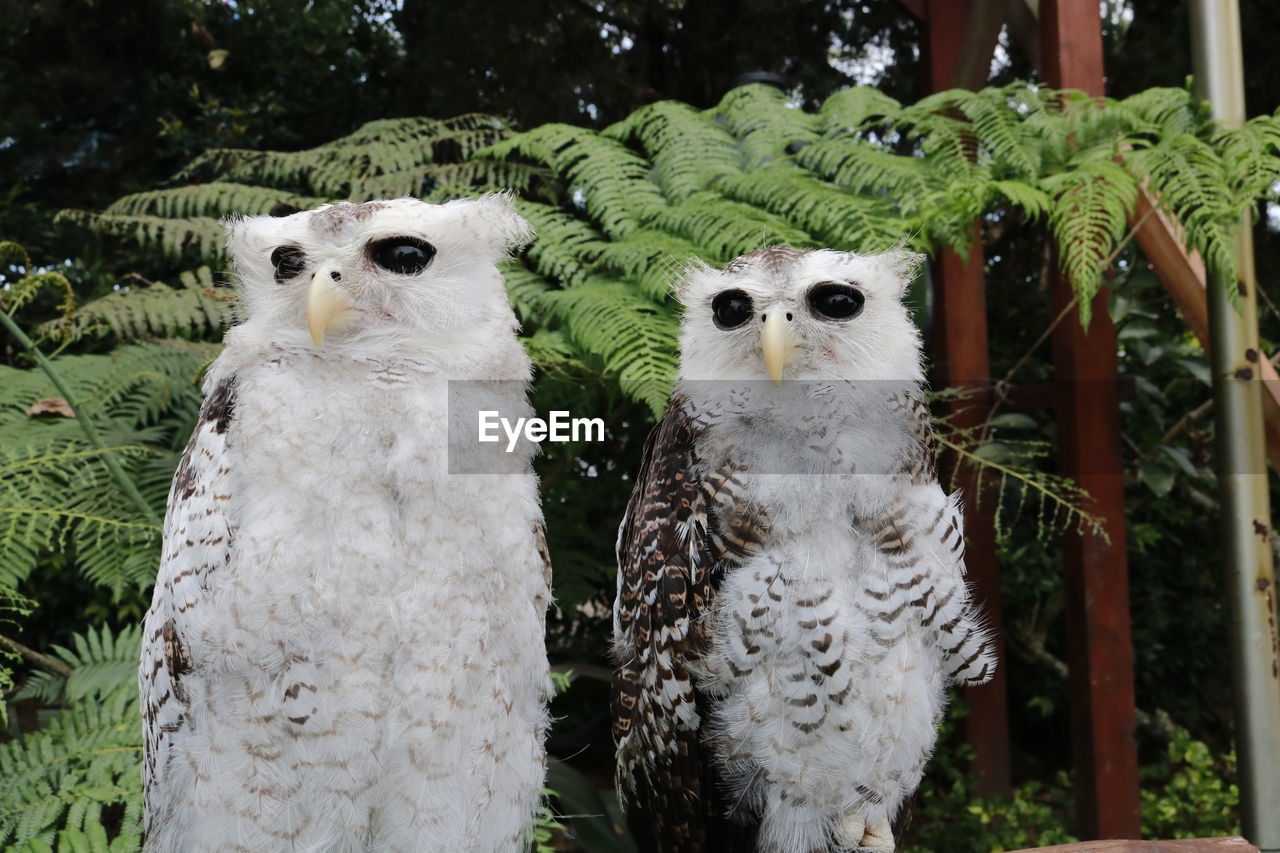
[(1014, 420), (1158, 477)]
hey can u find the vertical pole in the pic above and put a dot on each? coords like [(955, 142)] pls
[(1099, 643), (961, 352), (1242, 466)]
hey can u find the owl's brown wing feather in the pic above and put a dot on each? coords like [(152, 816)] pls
[(667, 576), (196, 543)]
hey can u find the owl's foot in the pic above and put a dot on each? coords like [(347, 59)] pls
[(857, 835)]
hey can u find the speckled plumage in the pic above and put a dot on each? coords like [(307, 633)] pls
[(791, 602), (345, 647)]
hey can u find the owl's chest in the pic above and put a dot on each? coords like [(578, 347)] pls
[(338, 474), (802, 485), (326, 428)]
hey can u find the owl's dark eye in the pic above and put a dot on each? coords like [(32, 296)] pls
[(402, 255), (833, 301), (289, 263), (730, 309)]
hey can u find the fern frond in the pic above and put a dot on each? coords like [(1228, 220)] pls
[(653, 259), (688, 151), (865, 169), (1034, 201), (212, 200), (846, 111), (1159, 111), (355, 166), (611, 181), (998, 137), (56, 495), (769, 128), (835, 218), (101, 662), (1088, 219), (62, 777), (1251, 157), (725, 229), (565, 246), (632, 335), (524, 288), (188, 240), (197, 308)]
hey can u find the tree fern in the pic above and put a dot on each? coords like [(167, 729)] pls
[(65, 777), (185, 241), (1088, 218), (612, 182), (101, 662), (630, 333), (667, 184), (724, 228), (55, 493), (214, 199), (849, 109), (837, 219), (766, 124), (619, 214), (197, 308), (688, 153)]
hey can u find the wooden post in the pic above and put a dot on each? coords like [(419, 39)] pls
[(1234, 844), (1099, 644), (960, 338)]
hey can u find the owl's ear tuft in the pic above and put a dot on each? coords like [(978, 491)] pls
[(496, 222), (237, 227), (697, 277), (902, 264)]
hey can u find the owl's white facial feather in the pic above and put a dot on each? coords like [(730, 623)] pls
[(325, 287), (785, 337)]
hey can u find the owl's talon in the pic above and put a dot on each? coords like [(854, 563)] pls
[(850, 830), (878, 838)]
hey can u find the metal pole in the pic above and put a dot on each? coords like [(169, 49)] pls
[(1242, 467)]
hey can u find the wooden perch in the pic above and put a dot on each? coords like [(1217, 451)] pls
[(1191, 845), (1183, 275)]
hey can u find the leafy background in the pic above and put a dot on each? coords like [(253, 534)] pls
[(625, 184)]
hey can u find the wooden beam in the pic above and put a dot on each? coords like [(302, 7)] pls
[(1096, 576), (961, 361), (1183, 275), (1025, 29), (982, 32), (1235, 844), (917, 9), (960, 350)]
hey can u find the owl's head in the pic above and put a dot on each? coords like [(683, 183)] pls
[(782, 313), (397, 269)]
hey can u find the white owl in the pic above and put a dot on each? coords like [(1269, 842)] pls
[(345, 647), (791, 599)]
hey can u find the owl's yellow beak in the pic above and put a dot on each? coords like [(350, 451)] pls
[(327, 304), (778, 342)]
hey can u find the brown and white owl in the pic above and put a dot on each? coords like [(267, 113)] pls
[(791, 603), (345, 647)]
